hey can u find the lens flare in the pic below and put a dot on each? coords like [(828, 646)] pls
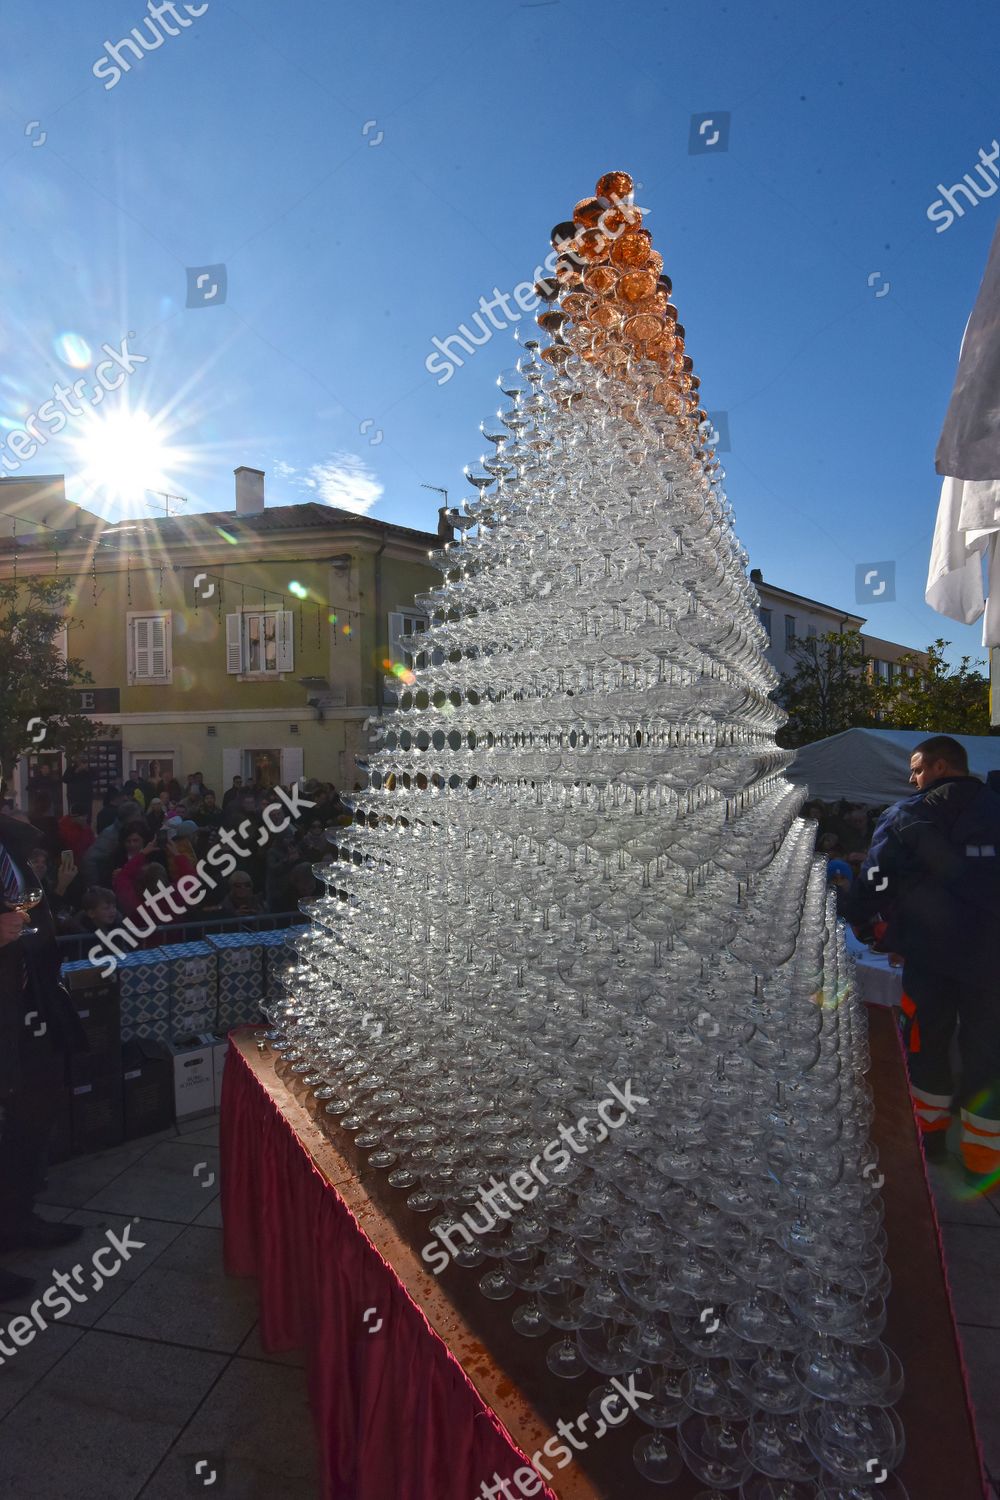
[(73, 350)]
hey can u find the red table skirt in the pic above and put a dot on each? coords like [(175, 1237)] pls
[(396, 1416)]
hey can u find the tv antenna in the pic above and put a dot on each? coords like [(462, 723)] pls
[(177, 499)]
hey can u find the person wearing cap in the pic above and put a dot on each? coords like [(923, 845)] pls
[(182, 828), (241, 899)]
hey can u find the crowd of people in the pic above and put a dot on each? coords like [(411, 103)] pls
[(96, 863)]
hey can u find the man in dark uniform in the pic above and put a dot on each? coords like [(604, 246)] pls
[(38, 1030), (933, 874)]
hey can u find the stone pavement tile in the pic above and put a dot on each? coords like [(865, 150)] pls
[(102, 1284), (255, 1431), (72, 1182), (208, 1134), (197, 1123), (252, 1348), (972, 1255), (187, 1298), (43, 1211), (211, 1215), (981, 1347), (165, 1184), (102, 1418), (22, 1371), (953, 1200)]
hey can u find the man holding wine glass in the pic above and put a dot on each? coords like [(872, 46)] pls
[(38, 1030)]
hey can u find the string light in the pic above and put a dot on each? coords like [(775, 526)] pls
[(267, 595)]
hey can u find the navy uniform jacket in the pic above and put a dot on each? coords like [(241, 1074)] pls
[(933, 873)]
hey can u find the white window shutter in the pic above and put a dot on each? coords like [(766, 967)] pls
[(232, 765), (234, 649), (157, 637), (291, 765), (60, 640), (140, 634), (286, 641)]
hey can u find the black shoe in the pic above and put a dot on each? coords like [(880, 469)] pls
[(13, 1286), (936, 1146), (40, 1234)]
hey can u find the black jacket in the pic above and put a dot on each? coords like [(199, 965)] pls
[(933, 873), (29, 981)]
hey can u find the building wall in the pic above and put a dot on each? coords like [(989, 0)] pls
[(811, 617), (204, 714), (808, 616)]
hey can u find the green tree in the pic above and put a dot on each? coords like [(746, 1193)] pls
[(939, 698), (830, 690), (35, 682)]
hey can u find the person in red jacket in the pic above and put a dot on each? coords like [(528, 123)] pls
[(75, 832), (143, 870)]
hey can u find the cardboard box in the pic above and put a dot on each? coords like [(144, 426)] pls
[(194, 1077), (240, 961), (147, 1087), (97, 1114), (278, 953), (144, 986), (194, 997), (98, 1009)]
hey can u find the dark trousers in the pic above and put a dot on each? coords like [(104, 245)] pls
[(944, 1002), (25, 1132)]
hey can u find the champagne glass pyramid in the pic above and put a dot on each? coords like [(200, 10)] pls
[(576, 983)]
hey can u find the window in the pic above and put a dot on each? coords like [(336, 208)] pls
[(811, 632), (277, 766), (789, 632), (149, 647), (152, 765), (261, 768), (60, 640), (765, 620), (404, 623), (259, 642)]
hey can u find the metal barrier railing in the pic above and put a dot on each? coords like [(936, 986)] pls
[(76, 945)]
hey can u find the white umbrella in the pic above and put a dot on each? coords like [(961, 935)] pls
[(967, 532)]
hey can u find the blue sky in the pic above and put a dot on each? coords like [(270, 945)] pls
[(366, 175)]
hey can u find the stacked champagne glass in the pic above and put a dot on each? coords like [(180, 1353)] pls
[(576, 874)]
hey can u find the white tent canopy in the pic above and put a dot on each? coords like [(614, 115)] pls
[(872, 766)]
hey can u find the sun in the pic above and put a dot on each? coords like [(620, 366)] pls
[(124, 454)]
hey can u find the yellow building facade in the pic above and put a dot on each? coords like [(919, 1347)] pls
[(252, 642)]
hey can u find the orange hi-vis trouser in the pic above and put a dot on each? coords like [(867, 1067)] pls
[(934, 1006)]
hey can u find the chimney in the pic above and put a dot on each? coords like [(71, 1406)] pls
[(445, 531), (249, 491), (756, 576)]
